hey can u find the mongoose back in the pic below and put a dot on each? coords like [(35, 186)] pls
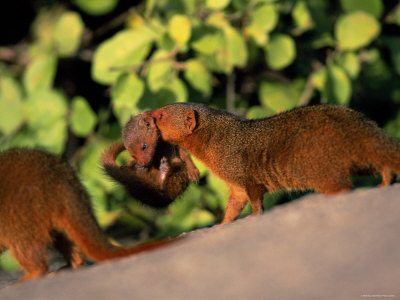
[(42, 203), (316, 147), (167, 169)]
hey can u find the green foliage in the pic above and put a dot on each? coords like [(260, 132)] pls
[(83, 119), (356, 30), (68, 32), (280, 51), (273, 54)]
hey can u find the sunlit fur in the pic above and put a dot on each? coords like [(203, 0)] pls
[(157, 173), (42, 203), (316, 147)]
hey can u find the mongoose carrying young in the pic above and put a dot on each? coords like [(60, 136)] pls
[(42, 203), (166, 173), (316, 147)]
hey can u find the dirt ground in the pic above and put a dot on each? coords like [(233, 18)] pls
[(319, 247)]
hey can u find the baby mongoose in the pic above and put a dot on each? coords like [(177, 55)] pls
[(316, 147), (42, 203), (166, 173)]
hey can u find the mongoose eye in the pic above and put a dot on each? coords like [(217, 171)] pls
[(144, 147), (161, 116)]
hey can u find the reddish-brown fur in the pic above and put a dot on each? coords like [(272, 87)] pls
[(167, 169), (42, 203), (316, 147), (156, 185), (140, 136)]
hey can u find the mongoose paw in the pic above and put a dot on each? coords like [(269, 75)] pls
[(193, 174), (131, 163), (164, 169)]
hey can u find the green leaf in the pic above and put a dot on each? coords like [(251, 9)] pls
[(52, 138), (160, 71), (373, 7), (95, 180), (350, 62), (174, 91), (208, 41), (280, 96), (40, 73), (233, 52), (217, 4), (44, 108), (83, 119), (125, 95), (280, 51), (356, 30), (334, 84), (96, 7), (263, 20), (125, 49), (7, 262), (68, 33), (43, 26), (198, 76), (45, 112), (10, 105), (179, 29), (338, 85), (302, 17), (264, 17)]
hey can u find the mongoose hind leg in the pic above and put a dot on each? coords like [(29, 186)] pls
[(387, 176), (73, 254), (256, 194), (32, 258)]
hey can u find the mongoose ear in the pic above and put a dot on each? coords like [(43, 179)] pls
[(190, 120), (149, 121)]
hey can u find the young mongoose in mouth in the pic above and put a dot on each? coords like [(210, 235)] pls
[(166, 173)]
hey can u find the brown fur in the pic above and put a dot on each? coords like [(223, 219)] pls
[(316, 147), (141, 138), (42, 203), (157, 185), (167, 169)]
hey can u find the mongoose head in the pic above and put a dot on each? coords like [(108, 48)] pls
[(140, 136), (174, 121)]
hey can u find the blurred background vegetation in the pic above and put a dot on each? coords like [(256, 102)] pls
[(72, 72)]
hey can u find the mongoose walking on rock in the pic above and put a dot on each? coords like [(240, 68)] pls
[(316, 147), (42, 203)]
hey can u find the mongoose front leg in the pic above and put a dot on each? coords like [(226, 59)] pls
[(32, 258), (192, 171), (236, 201)]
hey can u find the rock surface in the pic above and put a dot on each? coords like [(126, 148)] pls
[(319, 247)]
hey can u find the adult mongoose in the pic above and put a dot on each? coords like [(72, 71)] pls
[(317, 147), (42, 203)]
